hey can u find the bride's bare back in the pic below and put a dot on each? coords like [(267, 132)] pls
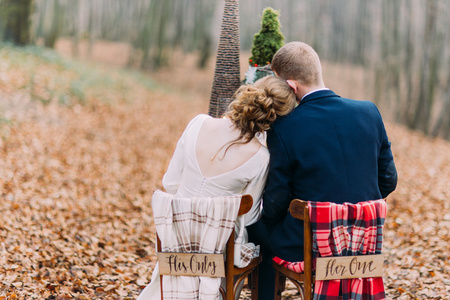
[(215, 135)]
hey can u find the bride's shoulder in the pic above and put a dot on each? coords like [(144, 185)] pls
[(197, 119), (200, 118), (265, 152)]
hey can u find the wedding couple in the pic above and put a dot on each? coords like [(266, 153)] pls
[(320, 147)]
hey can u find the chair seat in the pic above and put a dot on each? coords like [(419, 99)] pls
[(254, 263), (298, 267), (283, 273), (287, 272), (242, 273)]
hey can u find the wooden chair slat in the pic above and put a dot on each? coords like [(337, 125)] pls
[(297, 208), (246, 204)]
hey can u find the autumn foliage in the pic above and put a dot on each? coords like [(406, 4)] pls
[(83, 146)]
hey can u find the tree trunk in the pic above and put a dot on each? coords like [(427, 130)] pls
[(428, 74), (74, 8), (144, 40), (405, 111), (442, 127), (92, 29), (55, 28), (180, 15), (159, 59), (17, 24), (205, 38), (41, 7)]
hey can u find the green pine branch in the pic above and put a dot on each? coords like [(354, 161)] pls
[(268, 40)]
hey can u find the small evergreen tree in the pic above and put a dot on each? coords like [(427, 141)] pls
[(268, 40)]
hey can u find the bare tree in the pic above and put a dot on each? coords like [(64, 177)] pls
[(57, 13), (16, 16), (161, 40), (403, 45), (428, 74), (205, 35)]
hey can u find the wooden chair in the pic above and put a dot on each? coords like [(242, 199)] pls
[(233, 275), (303, 281), (363, 265)]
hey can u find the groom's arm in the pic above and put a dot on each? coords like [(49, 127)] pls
[(387, 173), (277, 193)]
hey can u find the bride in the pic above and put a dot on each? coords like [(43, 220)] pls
[(223, 156)]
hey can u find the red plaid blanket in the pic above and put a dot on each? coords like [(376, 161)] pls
[(343, 230)]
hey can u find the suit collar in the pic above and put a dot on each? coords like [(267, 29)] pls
[(316, 90), (318, 95)]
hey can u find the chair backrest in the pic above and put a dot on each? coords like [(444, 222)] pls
[(246, 205), (211, 265), (334, 267), (299, 210)]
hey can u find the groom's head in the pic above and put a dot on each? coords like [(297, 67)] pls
[(298, 61)]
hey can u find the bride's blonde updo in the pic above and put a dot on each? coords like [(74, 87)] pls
[(257, 106)]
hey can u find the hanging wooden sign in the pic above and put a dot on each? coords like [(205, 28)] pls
[(344, 267), (191, 264)]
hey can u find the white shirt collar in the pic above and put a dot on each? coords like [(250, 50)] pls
[(313, 91)]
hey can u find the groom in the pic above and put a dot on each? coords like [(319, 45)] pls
[(329, 149)]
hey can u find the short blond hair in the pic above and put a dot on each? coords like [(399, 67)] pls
[(298, 61)]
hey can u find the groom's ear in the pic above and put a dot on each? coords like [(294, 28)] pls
[(293, 85)]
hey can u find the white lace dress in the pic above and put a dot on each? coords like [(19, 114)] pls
[(184, 178)]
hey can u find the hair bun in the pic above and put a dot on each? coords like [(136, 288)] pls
[(257, 106)]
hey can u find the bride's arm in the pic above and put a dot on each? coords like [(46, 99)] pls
[(172, 178), (255, 188)]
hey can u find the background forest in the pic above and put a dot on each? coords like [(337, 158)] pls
[(95, 93), (402, 46)]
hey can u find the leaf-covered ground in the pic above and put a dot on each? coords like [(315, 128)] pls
[(82, 148)]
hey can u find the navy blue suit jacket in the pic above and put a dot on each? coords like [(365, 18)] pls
[(329, 149)]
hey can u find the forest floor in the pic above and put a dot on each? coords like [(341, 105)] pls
[(83, 145)]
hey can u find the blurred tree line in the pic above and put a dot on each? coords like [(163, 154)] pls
[(403, 45)]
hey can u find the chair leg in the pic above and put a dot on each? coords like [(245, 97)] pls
[(222, 292), (161, 286), (280, 284), (253, 283)]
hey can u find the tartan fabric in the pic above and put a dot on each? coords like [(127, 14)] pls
[(344, 230), (193, 225), (244, 253), (298, 266)]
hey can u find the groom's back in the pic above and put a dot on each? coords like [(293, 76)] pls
[(329, 149), (334, 145)]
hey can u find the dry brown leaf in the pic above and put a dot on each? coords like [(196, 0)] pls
[(76, 184)]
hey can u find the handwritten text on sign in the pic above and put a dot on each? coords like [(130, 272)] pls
[(191, 264), (343, 267)]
